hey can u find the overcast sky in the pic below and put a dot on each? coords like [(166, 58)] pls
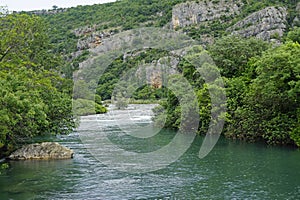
[(28, 5)]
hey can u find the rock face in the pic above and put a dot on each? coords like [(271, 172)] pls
[(90, 37), (190, 13), (42, 151), (266, 24), (157, 73)]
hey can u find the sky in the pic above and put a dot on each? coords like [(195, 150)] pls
[(29, 5)]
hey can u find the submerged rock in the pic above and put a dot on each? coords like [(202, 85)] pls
[(42, 151)]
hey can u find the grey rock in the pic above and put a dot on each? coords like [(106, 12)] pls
[(157, 73), (92, 39), (42, 151), (267, 24), (189, 13)]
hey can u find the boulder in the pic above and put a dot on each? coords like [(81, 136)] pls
[(42, 151)]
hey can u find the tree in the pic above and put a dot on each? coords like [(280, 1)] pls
[(232, 53), (271, 103), (120, 101), (294, 35), (24, 40), (35, 99)]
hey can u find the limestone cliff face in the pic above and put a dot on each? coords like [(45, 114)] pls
[(157, 73), (190, 13), (265, 24)]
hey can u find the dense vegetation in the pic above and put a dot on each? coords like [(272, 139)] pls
[(84, 102), (35, 99), (262, 88)]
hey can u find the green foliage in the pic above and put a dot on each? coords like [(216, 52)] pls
[(180, 108), (85, 102), (23, 40), (120, 15), (35, 99), (31, 104), (295, 133), (271, 101), (112, 76), (294, 35), (232, 53), (262, 88), (120, 102), (73, 64), (3, 167), (83, 107)]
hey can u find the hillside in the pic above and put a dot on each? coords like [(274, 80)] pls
[(92, 23), (75, 30)]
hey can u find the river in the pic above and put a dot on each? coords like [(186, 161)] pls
[(232, 170)]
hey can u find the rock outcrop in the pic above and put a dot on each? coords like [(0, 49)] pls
[(189, 13), (42, 151), (157, 73), (266, 24), (90, 37)]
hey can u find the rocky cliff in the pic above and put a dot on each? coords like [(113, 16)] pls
[(90, 37), (157, 73), (269, 23), (190, 13)]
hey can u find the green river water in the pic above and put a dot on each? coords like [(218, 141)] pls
[(232, 170)]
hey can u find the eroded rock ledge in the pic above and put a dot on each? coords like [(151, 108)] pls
[(42, 151)]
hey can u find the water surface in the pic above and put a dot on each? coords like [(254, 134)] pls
[(233, 170)]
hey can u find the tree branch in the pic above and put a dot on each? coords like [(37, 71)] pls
[(5, 53)]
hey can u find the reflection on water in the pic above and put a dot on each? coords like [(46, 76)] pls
[(233, 170)]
